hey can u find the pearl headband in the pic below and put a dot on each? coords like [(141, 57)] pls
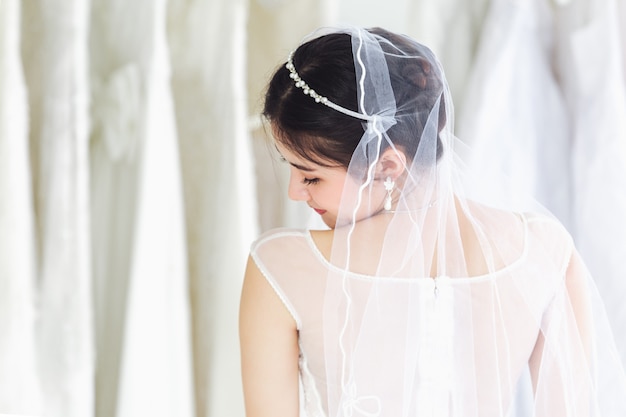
[(293, 74)]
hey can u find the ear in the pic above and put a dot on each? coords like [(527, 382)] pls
[(392, 164)]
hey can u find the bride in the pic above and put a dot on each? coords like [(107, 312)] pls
[(421, 298)]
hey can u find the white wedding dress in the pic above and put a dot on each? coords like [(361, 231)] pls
[(19, 382), (514, 117), (591, 65), (207, 54), (460, 346), (143, 324), (54, 58)]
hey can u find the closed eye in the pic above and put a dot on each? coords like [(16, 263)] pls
[(310, 181)]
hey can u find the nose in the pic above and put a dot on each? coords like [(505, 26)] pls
[(296, 190)]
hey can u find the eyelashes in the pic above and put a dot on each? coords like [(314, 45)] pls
[(310, 181)]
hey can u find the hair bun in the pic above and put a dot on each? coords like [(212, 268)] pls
[(419, 73)]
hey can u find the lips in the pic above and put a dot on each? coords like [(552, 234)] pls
[(319, 211)]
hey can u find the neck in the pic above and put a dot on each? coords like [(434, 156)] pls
[(412, 210)]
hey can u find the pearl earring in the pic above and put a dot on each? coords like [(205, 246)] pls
[(389, 184)]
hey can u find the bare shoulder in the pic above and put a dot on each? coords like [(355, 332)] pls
[(258, 296), (518, 227), (495, 222), (279, 236)]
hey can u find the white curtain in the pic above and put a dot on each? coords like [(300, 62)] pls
[(135, 172)]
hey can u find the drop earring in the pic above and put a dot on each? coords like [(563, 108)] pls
[(389, 184)]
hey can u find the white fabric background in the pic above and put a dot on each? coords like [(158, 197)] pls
[(55, 62), (207, 51), (590, 63), (19, 378), (135, 172)]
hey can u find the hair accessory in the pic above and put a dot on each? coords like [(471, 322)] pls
[(389, 184), (300, 83)]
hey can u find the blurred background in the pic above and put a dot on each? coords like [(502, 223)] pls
[(135, 172)]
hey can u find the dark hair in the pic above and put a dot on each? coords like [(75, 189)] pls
[(328, 137)]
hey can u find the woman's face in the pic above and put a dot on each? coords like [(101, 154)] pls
[(322, 187)]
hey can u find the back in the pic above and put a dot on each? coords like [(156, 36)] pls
[(439, 346)]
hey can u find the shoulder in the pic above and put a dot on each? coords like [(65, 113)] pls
[(277, 249), (525, 225), (278, 238), (265, 285), (280, 233), (549, 241), (547, 228), (288, 263), (538, 237), (283, 253)]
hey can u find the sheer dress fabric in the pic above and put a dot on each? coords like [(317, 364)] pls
[(471, 338)]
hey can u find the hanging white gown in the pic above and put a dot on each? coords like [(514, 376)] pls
[(452, 29), (55, 63), (621, 22), (592, 69), (512, 89), (19, 383), (144, 339), (207, 41)]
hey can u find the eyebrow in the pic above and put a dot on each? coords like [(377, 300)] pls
[(301, 167)]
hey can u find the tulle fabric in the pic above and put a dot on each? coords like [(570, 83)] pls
[(450, 346), (457, 301)]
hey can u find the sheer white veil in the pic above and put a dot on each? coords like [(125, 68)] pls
[(442, 299)]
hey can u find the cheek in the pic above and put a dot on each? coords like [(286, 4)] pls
[(371, 201), (338, 191), (329, 194), (370, 196)]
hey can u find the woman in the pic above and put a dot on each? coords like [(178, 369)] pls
[(421, 299)]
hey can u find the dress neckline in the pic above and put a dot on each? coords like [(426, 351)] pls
[(426, 279)]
